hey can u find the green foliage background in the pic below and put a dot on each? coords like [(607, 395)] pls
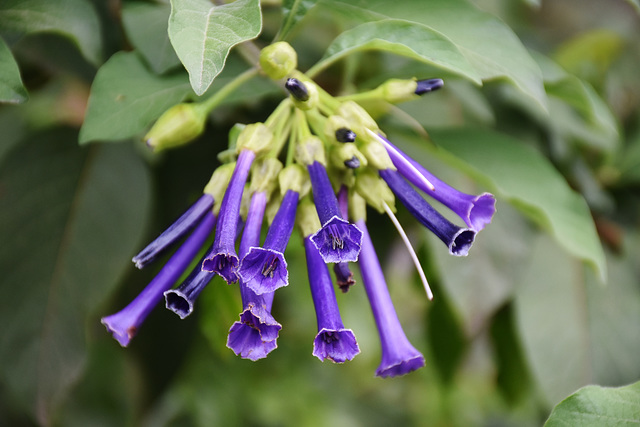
[(541, 106)]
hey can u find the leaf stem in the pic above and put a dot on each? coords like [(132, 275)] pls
[(216, 99)]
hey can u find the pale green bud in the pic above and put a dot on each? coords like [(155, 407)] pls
[(337, 124), (341, 156), (256, 137), (374, 190), (357, 117), (310, 150), (278, 60), (264, 175), (396, 90), (178, 125), (307, 218), (375, 153), (309, 101)]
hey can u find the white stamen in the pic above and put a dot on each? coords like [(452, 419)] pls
[(412, 252), (406, 162)]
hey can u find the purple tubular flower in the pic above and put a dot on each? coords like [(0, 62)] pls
[(344, 276), (399, 357), (124, 324), (333, 341), (182, 299), (254, 336), (178, 229), (475, 211), (457, 239), (223, 259), (264, 270), (337, 240)]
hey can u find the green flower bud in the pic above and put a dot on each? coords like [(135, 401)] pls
[(294, 177), (335, 124), (264, 174), (374, 190), (310, 150), (278, 60), (310, 100), (375, 153), (357, 117), (256, 137), (307, 218), (341, 156), (396, 90), (178, 125)]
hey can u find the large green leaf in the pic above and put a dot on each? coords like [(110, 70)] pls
[(70, 219), (146, 26), (487, 43), (574, 331), (75, 19), (596, 406), (401, 37), (518, 173), (11, 88), (293, 11), (203, 33), (126, 97)]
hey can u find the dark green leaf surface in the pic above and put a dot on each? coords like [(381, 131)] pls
[(75, 19), (146, 27), (404, 38), (203, 33), (126, 97), (293, 11), (487, 43), (595, 406), (70, 219), (521, 175), (11, 88)]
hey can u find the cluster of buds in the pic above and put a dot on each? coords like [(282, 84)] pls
[(316, 162)]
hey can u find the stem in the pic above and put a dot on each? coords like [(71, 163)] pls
[(370, 95), (215, 100)]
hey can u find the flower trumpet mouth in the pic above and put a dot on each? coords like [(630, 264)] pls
[(264, 270), (338, 241)]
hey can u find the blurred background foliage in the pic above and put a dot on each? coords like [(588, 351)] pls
[(541, 307)]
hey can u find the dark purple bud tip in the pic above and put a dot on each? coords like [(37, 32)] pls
[(345, 135), (338, 241), (462, 242), (429, 85), (264, 270), (400, 367), (352, 163), (223, 264), (344, 276), (336, 345), (297, 89)]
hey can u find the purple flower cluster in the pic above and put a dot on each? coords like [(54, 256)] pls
[(332, 146)]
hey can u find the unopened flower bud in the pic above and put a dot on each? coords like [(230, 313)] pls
[(256, 137), (375, 154), (304, 94), (429, 85), (357, 117), (396, 91), (345, 135), (297, 89), (352, 163), (374, 190), (278, 60), (337, 128), (178, 125), (342, 156)]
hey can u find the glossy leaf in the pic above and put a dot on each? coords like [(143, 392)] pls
[(521, 175), (75, 19), (11, 88), (595, 406), (126, 97), (293, 11), (404, 38), (70, 220), (489, 45), (146, 27), (203, 33)]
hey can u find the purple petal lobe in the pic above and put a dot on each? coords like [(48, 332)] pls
[(264, 270), (225, 264), (255, 335), (338, 241), (336, 345), (395, 368)]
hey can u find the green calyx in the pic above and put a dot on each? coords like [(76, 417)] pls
[(177, 126), (310, 150), (396, 91), (307, 218), (219, 182), (294, 177), (278, 60), (357, 117), (374, 190), (256, 137), (357, 206), (333, 124), (345, 152), (264, 175), (375, 153)]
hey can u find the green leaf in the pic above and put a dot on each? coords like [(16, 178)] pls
[(404, 38), (126, 98), (70, 219), (74, 19), (487, 43), (202, 35), (635, 4), (575, 331), (598, 406), (293, 11), (11, 88), (521, 175), (146, 27)]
